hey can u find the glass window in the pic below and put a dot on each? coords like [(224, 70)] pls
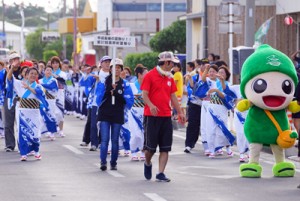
[(151, 7)]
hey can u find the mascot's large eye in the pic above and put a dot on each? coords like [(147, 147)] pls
[(259, 86), (287, 86)]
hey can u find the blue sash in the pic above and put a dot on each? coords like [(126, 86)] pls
[(240, 117), (57, 72), (222, 126), (28, 92), (138, 86)]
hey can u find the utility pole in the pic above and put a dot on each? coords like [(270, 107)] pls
[(250, 23), (162, 15), (106, 48), (21, 8), (3, 25), (75, 34), (64, 41)]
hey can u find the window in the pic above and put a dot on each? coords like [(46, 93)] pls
[(151, 7)]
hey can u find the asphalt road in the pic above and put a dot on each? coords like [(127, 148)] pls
[(69, 172)]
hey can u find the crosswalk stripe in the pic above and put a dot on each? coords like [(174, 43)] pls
[(73, 149), (154, 197)]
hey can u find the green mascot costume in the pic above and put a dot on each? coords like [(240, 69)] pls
[(268, 81)]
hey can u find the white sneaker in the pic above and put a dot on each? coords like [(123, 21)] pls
[(126, 153), (52, 136), (211, 156), (61, 134)]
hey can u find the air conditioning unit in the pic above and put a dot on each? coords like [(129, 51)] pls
[(239, 55)]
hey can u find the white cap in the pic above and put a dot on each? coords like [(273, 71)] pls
[(117, 61), (13, 56), (167, 56)]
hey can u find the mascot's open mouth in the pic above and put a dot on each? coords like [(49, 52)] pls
[(273, 101)]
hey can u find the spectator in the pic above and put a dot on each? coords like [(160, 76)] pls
[(9, 114), (158, 90), (111, 114), (128, 75)]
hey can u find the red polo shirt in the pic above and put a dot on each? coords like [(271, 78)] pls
[(160, 89)]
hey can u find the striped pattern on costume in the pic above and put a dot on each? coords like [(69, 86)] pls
[(29, 103), (138, 102), (214, 99), (49, 96)]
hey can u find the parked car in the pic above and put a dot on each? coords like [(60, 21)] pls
[(4, 54)]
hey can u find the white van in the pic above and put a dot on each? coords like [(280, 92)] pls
[(4, 54)]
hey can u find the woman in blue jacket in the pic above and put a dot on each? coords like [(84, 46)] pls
[(111, 116)]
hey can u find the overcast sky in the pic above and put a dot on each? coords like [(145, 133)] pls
[(48, 4)]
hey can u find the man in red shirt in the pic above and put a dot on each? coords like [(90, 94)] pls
[(158, 91)]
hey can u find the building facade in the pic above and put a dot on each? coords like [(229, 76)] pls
[(204, 38)]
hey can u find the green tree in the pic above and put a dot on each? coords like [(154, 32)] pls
[(35, 47), (172, 38), (34, 44), (58, 46), (48, 54), (148, 59)]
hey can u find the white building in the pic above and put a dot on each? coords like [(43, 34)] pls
[(13, 37)]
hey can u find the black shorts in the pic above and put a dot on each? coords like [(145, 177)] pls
[(296, 115), (158, 131)]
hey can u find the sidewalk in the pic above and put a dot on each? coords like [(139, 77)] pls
[(291, 153)]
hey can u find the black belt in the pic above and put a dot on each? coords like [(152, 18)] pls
[(49, 96), (29, 103), (138, 102)]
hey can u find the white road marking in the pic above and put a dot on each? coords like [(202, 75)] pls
[(176, 153), (112, 172), (154, 197), (223, 176), (73, 149)]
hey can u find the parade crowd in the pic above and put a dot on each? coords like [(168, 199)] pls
[(123, 110)]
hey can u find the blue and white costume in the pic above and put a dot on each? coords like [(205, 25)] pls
[(2, 87), (49, 118), (28, 115), (216, 117), (60, 99), (69, 93), (238, 122), (135, 117)]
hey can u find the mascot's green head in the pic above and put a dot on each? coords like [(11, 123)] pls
[(268, 78)]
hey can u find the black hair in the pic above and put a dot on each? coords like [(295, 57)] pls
[(48, 66), (30, 69), (178, 65), (221, 63), (213, 56), (215, 67), (55, 59), (228, 74), (43, 62), (93, 68), (139, 69), (198, 61), (24, 68), (191, 64), (217, 57), (128, 69)]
